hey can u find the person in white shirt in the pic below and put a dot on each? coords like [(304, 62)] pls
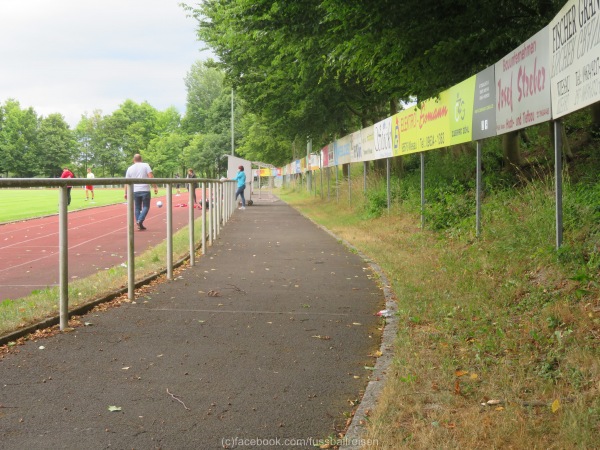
[(89, 188), (141, 192)]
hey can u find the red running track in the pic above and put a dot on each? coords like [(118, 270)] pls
[(97, 241)]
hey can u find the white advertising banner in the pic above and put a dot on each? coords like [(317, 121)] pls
[(523, 85), (575, 59), (356, 147), (383, 139), (367, 137)]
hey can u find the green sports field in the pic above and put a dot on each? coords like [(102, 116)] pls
[(18, 204)]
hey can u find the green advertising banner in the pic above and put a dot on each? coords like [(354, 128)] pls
[(461, 97)]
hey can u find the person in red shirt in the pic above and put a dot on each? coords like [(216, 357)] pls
[(68, 174)]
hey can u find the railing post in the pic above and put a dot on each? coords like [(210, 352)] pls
[(130, 244), (63, 244), (211, 208), (203, 217), (169, 231), (191, 224)]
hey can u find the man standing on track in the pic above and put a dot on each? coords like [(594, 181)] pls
[(89, 188), (68, 174), (141, 192)]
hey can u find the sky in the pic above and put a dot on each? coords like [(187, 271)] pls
[(76, 56)]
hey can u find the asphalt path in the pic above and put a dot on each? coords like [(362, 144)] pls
[(267, 342), (97, 241)]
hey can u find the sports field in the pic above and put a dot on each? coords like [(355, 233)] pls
[(18, 204)]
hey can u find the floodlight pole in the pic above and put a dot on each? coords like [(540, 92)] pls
[(232, 127)]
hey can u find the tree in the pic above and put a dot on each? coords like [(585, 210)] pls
[(166, 155), (18, 140), (56, 145), (204, 84)]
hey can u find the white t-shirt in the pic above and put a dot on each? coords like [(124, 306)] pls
[(90, 175), (139, 170)]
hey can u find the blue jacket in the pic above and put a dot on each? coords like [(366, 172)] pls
[(241, 179)]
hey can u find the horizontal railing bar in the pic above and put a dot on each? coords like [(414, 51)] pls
[(58, 182)]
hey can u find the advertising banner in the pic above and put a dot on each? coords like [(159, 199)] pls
[(575, 59), (523, 85), (484, 105), (460, 98), (383, 139), (426, 126), (356, 155), (297, 169), (315, 162), (343, 150), (367, 136), (325, 156)]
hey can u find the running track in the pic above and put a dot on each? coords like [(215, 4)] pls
[(97, 241)]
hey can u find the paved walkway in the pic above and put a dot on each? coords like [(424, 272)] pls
[(265, 339)]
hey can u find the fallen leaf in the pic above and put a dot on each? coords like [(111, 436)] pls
[(555, 405), (457, 387), (114, 408), (461, 373), (325, 338), (474, 376)]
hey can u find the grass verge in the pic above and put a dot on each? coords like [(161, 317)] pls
[(18, 313)]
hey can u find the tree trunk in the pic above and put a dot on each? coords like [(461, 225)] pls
[(512, 150), (596, 119), (566, 146), (397, 165)]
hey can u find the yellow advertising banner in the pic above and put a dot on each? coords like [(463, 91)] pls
[(438, 122), (422, 128)]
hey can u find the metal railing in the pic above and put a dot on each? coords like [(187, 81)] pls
[(221, 206)]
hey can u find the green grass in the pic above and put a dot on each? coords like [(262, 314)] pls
[(19, 204)]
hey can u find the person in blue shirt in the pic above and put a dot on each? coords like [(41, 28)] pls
[(241, 185)]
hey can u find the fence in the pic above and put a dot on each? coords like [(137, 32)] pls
[(221, 206)]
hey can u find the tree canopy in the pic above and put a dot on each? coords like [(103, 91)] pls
[(316, 68)]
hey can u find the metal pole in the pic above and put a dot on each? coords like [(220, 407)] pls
[(328, 183), (211, 208), (220, 210), (191, 224), (389, 193), (169, 231), (130, 244), (422, 191), (203, 218), (478, 192), (365, 164), (321, 173), (337, 186), (558, 181), (349, 186), (63, 268), (232, 117)]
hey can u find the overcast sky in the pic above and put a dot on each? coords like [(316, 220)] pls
[(75, 56)]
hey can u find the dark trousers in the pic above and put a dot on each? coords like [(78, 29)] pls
[(141, 202), (240, 192)]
